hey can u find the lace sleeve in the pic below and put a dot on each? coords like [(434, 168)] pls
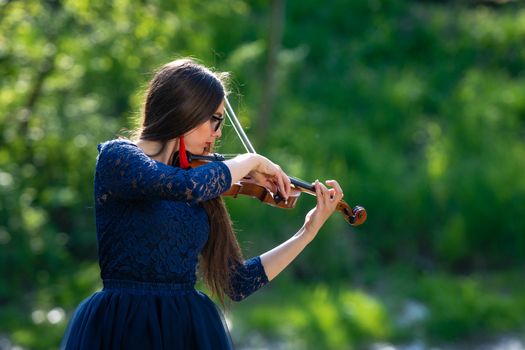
[(125, 171), (247, 278)]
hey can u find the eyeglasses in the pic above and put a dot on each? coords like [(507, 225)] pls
[(216, 122)]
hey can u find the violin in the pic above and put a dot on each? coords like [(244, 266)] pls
[(247, 187)]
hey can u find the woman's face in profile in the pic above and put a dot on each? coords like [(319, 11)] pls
[(201, 139)]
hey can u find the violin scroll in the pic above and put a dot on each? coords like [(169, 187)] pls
[(354, 216)]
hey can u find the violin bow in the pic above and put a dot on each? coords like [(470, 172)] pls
[(354, 217), (237, 126)]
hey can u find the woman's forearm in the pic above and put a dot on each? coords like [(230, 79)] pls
[(277, 259), (241, 165)]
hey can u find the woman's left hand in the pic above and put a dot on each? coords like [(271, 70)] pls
[(327, 200), (276, 260)]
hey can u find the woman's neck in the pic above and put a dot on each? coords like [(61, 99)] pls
[(153, 147)]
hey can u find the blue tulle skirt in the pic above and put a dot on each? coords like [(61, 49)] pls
[(138, 315)]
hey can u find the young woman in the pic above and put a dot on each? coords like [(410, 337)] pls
[(158, 222)]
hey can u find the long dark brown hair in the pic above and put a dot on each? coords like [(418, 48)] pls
[(182, 95)]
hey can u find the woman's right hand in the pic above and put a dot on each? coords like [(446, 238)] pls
[(271, 176), (263, 171)]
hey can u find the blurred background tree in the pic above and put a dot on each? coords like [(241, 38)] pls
[(417, 108)]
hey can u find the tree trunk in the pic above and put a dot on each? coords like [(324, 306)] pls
[(269, 80)]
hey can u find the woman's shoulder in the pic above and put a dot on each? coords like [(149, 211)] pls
[(119, 152), (117, 146)]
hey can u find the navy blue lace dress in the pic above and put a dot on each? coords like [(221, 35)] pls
[(150, 231)]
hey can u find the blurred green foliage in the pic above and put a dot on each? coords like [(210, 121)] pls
[(417, 108), (316, 317), (321, 316)]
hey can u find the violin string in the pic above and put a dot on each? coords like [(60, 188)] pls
[(229, 155), (300, 183)]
